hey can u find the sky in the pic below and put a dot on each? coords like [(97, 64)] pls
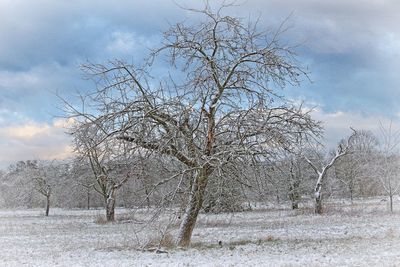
[(350, 47)]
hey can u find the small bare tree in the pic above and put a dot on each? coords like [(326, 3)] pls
[(43, 188), (353, 169), (389, 161), (295, 177), (111, 167), (39, 173)]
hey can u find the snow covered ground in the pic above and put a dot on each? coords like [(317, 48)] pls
[(362, 234)]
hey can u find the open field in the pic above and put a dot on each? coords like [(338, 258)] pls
[(362, 234)]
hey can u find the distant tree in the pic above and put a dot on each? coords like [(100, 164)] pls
[(295, 178), (82, 177), (322, 171), (33, 176), (13, 189), (389, 161), (226, 193), (111, 165), (42, 186), (353, 169), (46, 177)]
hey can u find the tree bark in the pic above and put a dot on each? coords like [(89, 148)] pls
[(193, 207), (318, 205), (294, 184), (295, 205), (351, 195), (88, 199), (47, 205), (147, 198), (318, 199), (110, 206), (294, 195)]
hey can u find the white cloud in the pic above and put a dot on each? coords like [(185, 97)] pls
[(337, 124), (122, 42), (34, 140)]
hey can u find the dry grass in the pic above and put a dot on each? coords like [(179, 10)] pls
[(233, 244), (100, 219), (125, 218), (166, 241), (391, 233), (213, 223)]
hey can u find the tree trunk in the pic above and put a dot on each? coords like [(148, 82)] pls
[(193, 207), (294, 184), (110, 206), (318, 199), (351, 195), (277, 196), (391, 202), (47, 205), (294, 199), (88, 199), (318, 205), (294, 195), (147, 197)]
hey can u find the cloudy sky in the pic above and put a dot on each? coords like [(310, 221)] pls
[(352, 49)]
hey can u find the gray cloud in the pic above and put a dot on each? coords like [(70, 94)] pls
[(352, 49), (67, 31)]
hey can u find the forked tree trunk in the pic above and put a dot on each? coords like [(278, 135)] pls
[(47, 205), (110, 206), (193, 207), (340, 152)]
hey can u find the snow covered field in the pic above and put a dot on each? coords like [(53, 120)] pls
[(362, 234)]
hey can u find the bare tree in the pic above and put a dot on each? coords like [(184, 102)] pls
[(110, 164), (83, 177), (389, 161), (40, 174), (341, 150), (220, 103), (295, 178), (45, 189), (353, 169)]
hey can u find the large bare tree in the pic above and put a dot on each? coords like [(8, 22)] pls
[(219, 103)]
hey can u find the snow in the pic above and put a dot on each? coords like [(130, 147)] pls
[(362, 234)]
